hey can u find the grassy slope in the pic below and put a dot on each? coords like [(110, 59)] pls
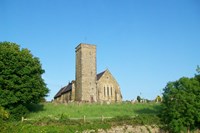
[(93, 110), (43, 114)]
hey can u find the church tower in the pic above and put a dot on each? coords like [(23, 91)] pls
[(86, 73)]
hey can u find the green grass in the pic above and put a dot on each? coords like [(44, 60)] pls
[(93, 110), (43, 117), (55, 127)]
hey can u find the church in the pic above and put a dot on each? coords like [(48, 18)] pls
[(88, 85)]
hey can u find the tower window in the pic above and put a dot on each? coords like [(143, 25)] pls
[(108, 91)]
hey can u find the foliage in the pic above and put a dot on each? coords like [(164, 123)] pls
[(71, 126), (139, 99), (147, 119), (51, 127), (18, 111), (3, 114), (158, 99), (141, 119), (20, 78), (181, 105)]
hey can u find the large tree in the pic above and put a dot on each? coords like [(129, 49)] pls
[(21, 80), (181, 105)]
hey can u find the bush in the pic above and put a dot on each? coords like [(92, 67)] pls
[(18, 112), (181, 105), (147, 119), (3, 114)]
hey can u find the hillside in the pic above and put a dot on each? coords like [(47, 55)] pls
[(92, 110), (50, 117)]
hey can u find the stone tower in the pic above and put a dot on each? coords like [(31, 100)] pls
[(86, 73)]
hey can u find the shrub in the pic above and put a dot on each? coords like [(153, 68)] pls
[(18, 112), (181, 105), (3, 114)]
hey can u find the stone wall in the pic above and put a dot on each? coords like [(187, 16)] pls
[(129, 129), (108, 88), (73, 91), (78, 85)]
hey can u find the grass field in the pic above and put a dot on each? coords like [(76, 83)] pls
[(42, 118), (92, 110)]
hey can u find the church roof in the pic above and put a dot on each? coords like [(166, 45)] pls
[(59, 93), (69, 86), (63, 90), (100, 74)]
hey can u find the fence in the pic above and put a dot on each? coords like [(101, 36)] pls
[(84, 118)]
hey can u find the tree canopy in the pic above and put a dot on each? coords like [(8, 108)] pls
[(21, 80), (139, 99), (181, 104)]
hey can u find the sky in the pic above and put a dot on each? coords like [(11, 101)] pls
[(144, 43)]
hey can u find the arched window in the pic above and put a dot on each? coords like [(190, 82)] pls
[(111, 91), (104, 91), (107, 91)]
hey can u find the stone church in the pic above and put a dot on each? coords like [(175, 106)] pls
[(89, 86)]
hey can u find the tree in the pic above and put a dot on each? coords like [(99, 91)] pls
[(21, 80), (158, 99), (181, 105), (139, 99)]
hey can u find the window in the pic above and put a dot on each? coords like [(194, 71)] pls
[(104, 91), (108, 91), (111, 91)]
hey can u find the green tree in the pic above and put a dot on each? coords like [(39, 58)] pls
[(139, 99), (181, 105), (158, 99), (21, 80)]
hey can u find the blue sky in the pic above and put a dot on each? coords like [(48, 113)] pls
[(144, 43)]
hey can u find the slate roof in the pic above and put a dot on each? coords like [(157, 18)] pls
[(59, 93), (100, 74), (63, 90), (69, 86)]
